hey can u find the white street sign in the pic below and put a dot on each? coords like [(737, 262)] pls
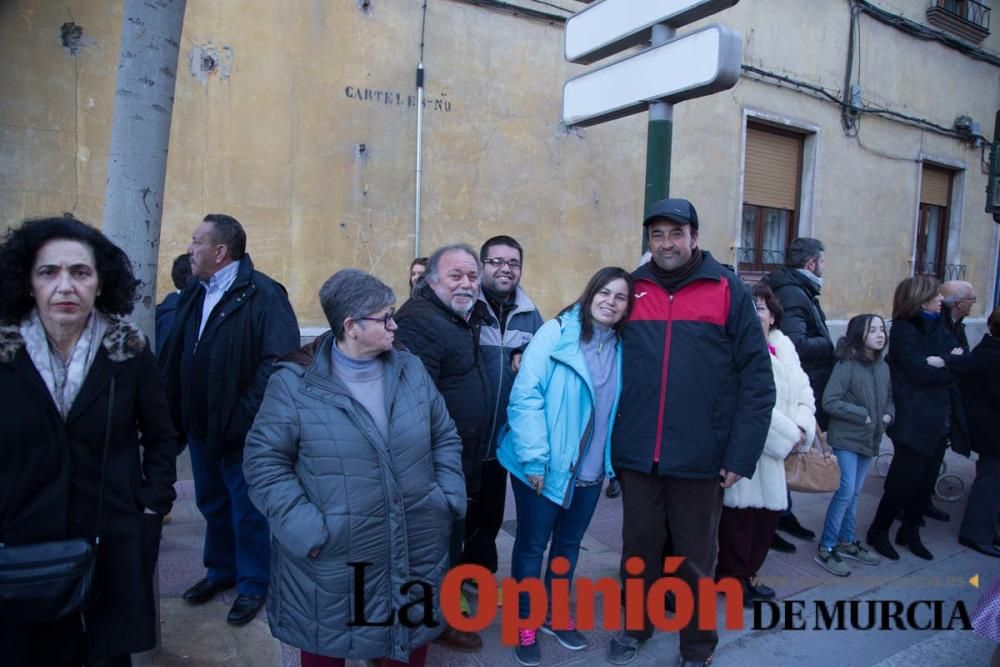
[(699, 63), (609, 26)]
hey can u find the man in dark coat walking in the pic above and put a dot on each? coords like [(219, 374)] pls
[(231, 325), (441, 324), (797, 286)]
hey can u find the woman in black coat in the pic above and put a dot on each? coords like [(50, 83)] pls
[(929, 413), (981, 391), (65, 350)]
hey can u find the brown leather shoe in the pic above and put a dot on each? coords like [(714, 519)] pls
[(463, 642)]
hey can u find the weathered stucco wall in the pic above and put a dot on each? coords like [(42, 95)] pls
[(866, 187), (272, 136)]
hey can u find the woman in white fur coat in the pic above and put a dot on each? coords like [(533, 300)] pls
[(752, 506)]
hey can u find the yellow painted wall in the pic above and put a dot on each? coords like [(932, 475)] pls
[(274, 141)]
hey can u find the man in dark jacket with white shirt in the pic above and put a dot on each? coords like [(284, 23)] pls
[(696, 401), (232, 324)]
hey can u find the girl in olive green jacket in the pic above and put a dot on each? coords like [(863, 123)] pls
[(858, 399)]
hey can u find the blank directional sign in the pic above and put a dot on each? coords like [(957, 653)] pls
[(700, 63), (610, 26)]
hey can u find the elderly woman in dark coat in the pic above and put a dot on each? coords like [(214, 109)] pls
[(354, 459), (65, 351)]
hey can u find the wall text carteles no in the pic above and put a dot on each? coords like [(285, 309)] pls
[(394, 98)]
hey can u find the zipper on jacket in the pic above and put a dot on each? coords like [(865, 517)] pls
[(496, 406), (663, 380), (585, 442)]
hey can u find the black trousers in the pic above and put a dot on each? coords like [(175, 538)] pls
[(984, 501), (745, 536), (61, 643), (484, 517), (692, 508), (908, 487)]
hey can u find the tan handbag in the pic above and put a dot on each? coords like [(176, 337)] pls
[(813, 471)]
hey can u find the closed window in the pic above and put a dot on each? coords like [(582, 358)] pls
[(932, 222), (772, 174)]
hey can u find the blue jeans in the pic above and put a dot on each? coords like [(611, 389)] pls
[(237, 538), (842, 514), (539, 520)]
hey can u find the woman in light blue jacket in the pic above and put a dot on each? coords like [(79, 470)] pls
[(558, 438)]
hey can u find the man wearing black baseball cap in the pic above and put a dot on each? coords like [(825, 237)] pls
[(696, 401)]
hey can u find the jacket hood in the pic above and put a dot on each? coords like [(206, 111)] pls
[(785, 276), (122, 341)]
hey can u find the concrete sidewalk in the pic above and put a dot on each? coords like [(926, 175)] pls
[(196, 636)]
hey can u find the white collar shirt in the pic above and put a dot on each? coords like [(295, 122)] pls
[(215, 288)]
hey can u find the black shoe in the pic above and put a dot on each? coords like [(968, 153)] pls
[(791, 525), (752, 593), (932, 512), (614, 488), (987, 549), (695, 663), (760, 590), (245, 608), (778, 543), (205, 590), (879, 540), (912, 539)]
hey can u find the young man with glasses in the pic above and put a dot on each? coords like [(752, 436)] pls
[(511, 321)]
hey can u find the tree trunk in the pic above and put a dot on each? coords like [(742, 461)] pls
[(140, 133)]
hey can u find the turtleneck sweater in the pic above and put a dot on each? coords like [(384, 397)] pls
[(364, 379), (599, 353)]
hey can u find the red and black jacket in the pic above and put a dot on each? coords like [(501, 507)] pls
[(697, 385)]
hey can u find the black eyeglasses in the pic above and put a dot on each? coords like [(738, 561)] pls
[(498, 262), (385, 319)]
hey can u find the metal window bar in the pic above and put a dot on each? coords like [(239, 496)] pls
[(759, 259), (942, 272), (968, 10)]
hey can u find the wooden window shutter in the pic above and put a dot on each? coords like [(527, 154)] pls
[(934, 186), (771, 173)]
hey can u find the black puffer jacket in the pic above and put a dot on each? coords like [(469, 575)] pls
[(449, 347), (248, 330), (981, 391), (928, 405), (805, 323)]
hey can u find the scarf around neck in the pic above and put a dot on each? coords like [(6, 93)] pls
[(812, 277), (670, 280), (62, 378)]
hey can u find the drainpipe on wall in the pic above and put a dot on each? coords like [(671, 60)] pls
[(420, 137)]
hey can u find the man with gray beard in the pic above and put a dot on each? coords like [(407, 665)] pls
[(440, 324)]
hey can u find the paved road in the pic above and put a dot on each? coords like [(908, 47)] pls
[(199, 636)]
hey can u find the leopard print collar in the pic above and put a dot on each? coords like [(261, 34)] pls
[(123, 340)]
